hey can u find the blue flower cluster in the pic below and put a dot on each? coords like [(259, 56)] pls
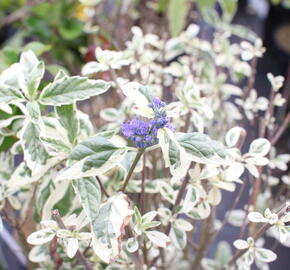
[(144, 133)]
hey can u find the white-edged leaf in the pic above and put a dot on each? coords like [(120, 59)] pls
[(260, 147), (64, 233), (114, 215), (256, 217), (214, 196), (33, 111), (72, 247), (234, 171), (183, 225), (190, 199), (158, 238), (30, 73), (178, 237), (8, 94), (223, 253), (40, 237), (167, 191), (68, 118), (132, 244), (21, 176), (241, 244), (257, 160), (5, 108), (141, 96), (7, 122), (149, 216), (252, 169), (76, 170), (38, 254), (285, 218), (67, 90), (35, 153), (265, 255), (82, 236), (233, 136), (55, 146), (173, 154), (200, 148), (283, 233), (236, 217), (89, 191), (9, 76), (95, 152), (93, 67)]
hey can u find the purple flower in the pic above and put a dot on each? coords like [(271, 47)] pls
[(143, 132)]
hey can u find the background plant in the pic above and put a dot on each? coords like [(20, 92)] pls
[(139, 188)]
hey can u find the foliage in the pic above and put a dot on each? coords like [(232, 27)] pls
[(131, 192)]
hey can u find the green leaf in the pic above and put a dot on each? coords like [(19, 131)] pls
[(8, 56), (70, 29), (211, 16), (96, 150), (206, 4), (177, 12), (37, 47), (109, 226), (68, 118), (8, 94), (67, 90), (163, 5), (229, 8), (90, 195)]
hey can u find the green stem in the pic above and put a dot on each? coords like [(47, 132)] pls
[(137, 158)]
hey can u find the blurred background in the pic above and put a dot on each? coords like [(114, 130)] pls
[(65, 34)]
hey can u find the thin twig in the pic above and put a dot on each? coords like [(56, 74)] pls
[(237, 199), (142, 195), (102, 187), (252, 77), (115, 78), (179, 198), (81, 258), (257, 235), (281, 129), (131, 170), (205, 239), (30, 205)]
